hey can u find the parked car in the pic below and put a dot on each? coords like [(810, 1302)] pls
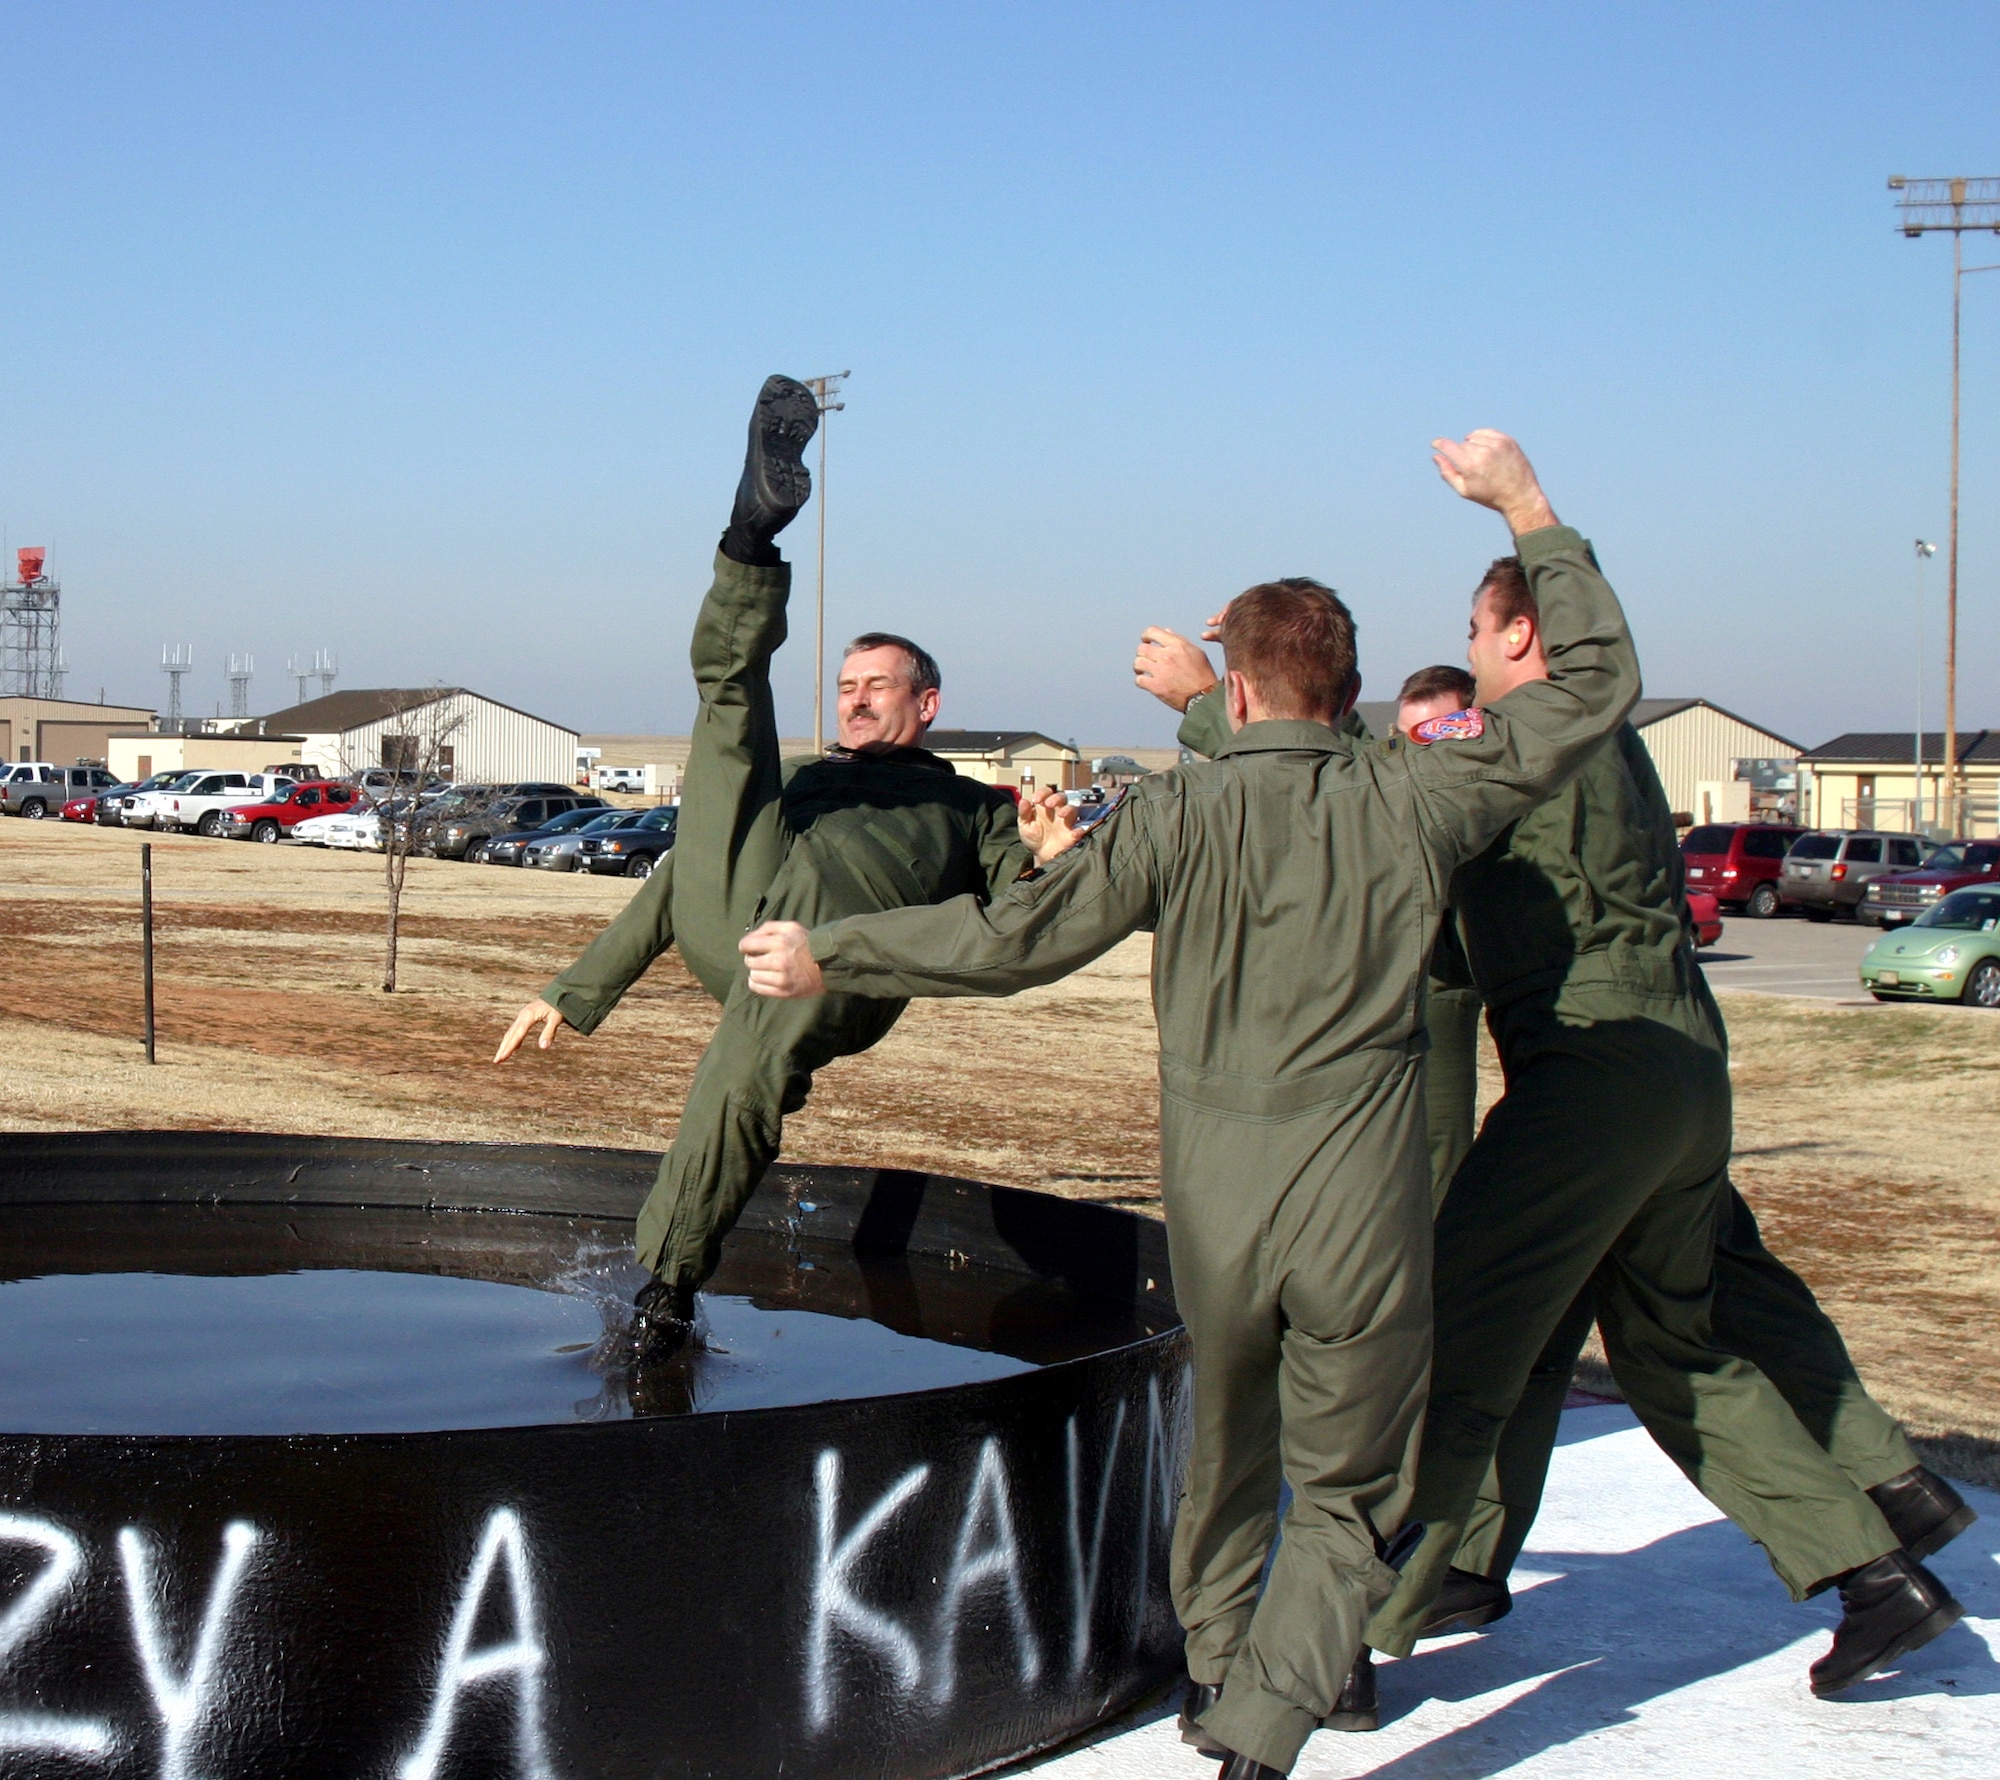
[(1897, 898), (466, 833), (351, 830), (559, 852), (1951, 952), (199, 806), (292, 803), (1705, 911), (633, 847), (1739, 863), (511, 849), (1826, 872), (111, 803), (35, 789)]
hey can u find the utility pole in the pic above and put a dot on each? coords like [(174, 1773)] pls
[(1951, 206), (824, 390), (1925, 552)]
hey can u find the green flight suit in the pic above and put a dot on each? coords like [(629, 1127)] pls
[(1292, 1135), (1451, 1071), (1604, 1167), (1762, 1311), (763, 840)]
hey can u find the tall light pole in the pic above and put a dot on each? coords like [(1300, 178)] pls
[(824, 390), (1924, 553), (1951, 206)]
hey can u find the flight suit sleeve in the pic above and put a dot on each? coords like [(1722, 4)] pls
[(618, 957), (1038, 929), (1205, 724), (1537, 737), (1001, 855)]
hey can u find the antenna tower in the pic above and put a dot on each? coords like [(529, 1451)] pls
[(241, 667), (325, 665), (176, 662), (303, 677), (31, 663)]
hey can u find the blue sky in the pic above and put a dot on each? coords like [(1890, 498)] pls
[(428, 333)]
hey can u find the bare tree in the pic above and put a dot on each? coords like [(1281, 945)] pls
[(419, 751)]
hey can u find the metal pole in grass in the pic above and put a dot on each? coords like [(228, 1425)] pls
[(146, 936)]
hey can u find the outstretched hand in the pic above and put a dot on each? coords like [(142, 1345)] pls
[(781, 963), (1490, 468), (1174, 670), (1048, 825), (524, 1021)]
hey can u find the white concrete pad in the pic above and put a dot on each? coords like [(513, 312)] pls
[(1648, 1639)]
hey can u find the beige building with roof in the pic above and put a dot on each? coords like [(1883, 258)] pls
[(475, 739), (64, 731), (1866, 779), (1013, 757)]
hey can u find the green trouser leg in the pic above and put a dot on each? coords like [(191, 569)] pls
[(1301, 1262), (758, 1067), (1628, 1201), (1764, 1312), (732, 835), (731, 840), (1451, 1089)]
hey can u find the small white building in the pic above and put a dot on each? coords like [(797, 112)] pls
[(1010, 757), (449, 730)]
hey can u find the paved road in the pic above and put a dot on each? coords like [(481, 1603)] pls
[(1650, 1640), (1789, 956)]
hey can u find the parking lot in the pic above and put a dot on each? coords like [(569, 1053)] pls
[(1817, 961)]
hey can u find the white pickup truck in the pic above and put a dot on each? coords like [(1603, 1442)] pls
[(197, 799)]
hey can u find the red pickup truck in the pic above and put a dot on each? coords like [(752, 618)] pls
[(287, 809)]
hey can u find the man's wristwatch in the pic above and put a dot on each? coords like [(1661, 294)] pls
[(1198, 697)]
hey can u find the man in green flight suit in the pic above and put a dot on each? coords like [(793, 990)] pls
[(1293, 1165), (1609, 833), (1612, 1047), (876, 823)]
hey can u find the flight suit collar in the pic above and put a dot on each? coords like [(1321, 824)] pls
[(836, 755), (1285, 735)]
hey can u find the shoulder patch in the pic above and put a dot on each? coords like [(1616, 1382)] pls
[(1453, 726)]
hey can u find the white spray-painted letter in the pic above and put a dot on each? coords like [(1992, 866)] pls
[(83, 1737), (998, 1561), (1084, 1571), (521, 1660), (182, 1701), (835, 1605)]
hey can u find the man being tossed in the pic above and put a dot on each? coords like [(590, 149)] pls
[(1293, 1165), (877, 823)]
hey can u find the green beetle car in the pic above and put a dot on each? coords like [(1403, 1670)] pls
[(1948, 953)]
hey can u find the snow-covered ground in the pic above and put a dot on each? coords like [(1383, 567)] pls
[(1648, 1639)]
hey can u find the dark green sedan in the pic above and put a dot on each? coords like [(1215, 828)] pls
[(1948, 953)]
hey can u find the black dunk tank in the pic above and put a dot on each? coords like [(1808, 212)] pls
[(324, 1457)]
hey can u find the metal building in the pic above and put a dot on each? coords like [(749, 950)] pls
[(450, 730)]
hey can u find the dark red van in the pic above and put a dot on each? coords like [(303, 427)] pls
[(1739, 863)]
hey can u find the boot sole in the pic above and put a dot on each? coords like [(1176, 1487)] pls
[(1468, 1621), (1351, 1721), (1944, 1532), (1915, 1638), (784, 428)]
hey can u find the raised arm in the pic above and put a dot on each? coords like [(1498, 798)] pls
[(1035, 931), (1518, 750)]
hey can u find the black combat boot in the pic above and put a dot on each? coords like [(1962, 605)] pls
[(776, 482), (662, 1320), (1894, 1606), (1242, 1767), (1924, 1512), (1465, 1603), (1200, 1696), (1355, 1709)]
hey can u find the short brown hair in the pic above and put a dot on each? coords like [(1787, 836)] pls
[(1512, 596), (1438, 682), (924, 675), (1294, 641)]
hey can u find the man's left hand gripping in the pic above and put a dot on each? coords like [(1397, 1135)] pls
[(781, 963)]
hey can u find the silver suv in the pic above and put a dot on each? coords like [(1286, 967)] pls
[(1826, 873)]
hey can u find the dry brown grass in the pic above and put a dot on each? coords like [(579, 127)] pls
[(1867, 1137)]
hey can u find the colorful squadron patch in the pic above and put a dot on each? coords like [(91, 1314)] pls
[(1453, 726)]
